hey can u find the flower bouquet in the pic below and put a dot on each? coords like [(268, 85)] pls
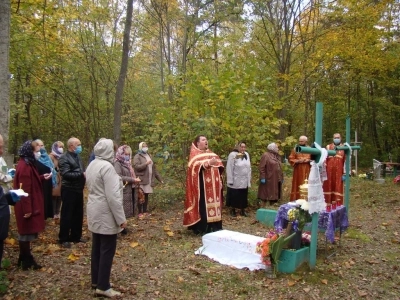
[(270, 249), (297, 216), (264, 247)]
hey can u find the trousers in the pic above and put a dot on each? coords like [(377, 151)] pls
[(71, 215), (103, 251)]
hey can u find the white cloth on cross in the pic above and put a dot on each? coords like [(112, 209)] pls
[(316, 200)]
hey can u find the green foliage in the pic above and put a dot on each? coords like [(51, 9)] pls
[(210, 68), (3, 282), (227, 107)]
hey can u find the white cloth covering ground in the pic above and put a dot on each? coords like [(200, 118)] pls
[(233, 249)]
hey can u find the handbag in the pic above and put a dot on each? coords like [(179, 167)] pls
[(56, 192), (140, 195)]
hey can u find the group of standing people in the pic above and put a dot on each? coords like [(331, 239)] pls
[(204, 186), (139, 176), (60, 178), (112, 183), (204, 183), (335, 171), (117, 184)]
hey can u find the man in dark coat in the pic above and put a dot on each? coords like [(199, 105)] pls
[(73, 182)]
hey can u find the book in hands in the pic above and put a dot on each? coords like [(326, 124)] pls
[(20, 192)]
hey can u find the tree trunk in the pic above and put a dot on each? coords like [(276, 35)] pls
[(122, 74), (168, 29), (5, 11)]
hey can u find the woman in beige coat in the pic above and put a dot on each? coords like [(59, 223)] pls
[(105, 215), (146, 171)]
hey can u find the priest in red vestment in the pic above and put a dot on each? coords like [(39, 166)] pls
[(301, 168), (333, 186), (203, 204)]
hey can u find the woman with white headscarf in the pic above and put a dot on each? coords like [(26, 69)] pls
[(145, 169), (271, 176)]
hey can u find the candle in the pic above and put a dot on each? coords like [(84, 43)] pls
[(328, 207)]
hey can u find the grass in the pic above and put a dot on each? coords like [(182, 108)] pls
[(354, 233)]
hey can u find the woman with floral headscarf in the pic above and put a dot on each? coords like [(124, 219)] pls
[(271, 175), (57, 149), (124, 169), (29, 211)]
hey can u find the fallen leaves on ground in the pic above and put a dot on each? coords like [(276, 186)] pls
[(133, 244), (151, 264)]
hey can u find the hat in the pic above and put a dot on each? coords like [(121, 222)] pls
[(273, 147)]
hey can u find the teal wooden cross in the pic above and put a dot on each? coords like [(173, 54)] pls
[(318, 140)]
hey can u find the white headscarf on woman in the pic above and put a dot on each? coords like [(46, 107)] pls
[(273, 147)]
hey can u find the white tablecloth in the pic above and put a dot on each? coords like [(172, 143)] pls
[(232, 248)]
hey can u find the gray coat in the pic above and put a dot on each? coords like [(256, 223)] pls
[(105, 213), (238, 171)]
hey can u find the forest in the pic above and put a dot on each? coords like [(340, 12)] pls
[(164, 71)]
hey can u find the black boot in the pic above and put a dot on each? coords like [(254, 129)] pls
[(24, 262), (28, 262), (233, 212), (243, 213), (34, 263), (20, 259)]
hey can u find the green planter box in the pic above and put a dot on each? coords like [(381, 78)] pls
[(266, 216), (290, 260)]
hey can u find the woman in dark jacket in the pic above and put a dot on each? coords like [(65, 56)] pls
[(145, 169), (29, 212)]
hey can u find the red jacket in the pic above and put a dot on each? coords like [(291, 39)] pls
[(34, 203)]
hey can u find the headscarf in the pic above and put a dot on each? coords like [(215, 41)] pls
[(273, 148), (237, 149), (120, 156), (26, 152), (141, 147), (45, 159), (54, 150)]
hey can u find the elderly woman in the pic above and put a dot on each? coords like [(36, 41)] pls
[(238, 177), (124, 169), (57, 149), (271, 175), (105, 215), (145, 169), (29, 211)]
